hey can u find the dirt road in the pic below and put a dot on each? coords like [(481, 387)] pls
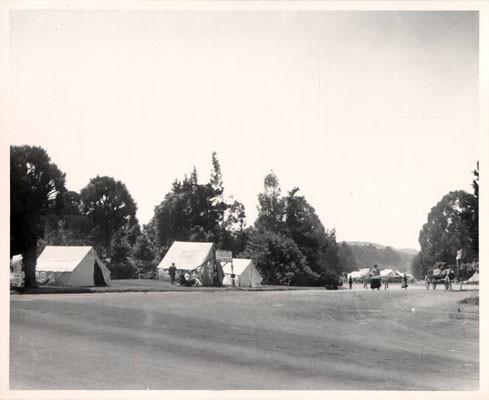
[(310, 340)]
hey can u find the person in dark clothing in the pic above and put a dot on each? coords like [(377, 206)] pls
[(350, 282), (404, 282), (172, 271), (181, 279)]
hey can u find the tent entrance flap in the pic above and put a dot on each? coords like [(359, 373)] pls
[(98, 276)]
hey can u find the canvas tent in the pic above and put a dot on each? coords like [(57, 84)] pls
[(71, 266), (246, 274), (391, 276), (356, 275), (474, 279), (17, 276), (386, 273), (193, 256), (16, 264)]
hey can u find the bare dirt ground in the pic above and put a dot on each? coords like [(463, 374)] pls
[(304, 340)]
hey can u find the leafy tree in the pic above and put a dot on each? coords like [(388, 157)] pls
[(233, 233), (305, 228), (121, 262), (65, 225), (143, 255), (228, 214), (150, 231), (417, 268), (369, 255), (331, 254), (120, 265), (198, 212), (470, 215), (35, 184), (390, 257), (110, 207), (271, 206), (346, 257), (278, 259), (68, 203), (446, 231), (216, 181), (295, 221), (475, 181), (186, 213), (453, 224)]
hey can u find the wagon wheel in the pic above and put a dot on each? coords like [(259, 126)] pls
[(427, 284)]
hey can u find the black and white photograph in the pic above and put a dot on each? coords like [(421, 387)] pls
[(243, 198)]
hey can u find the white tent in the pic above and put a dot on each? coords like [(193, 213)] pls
[(473, 279), (246, 273), (408, 276), (71, 266), (358, 274), (16, 264), (193, 256), (16, 274)]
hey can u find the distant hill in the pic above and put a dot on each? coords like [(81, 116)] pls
[(367, 254), (376, 245), (409, 251), (382, 247)]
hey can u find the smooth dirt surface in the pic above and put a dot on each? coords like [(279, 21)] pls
[(309, 340)]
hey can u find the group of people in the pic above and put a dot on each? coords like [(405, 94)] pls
[(376, 280), (186, 278)]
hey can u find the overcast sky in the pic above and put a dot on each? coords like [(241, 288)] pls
[(373, 115)]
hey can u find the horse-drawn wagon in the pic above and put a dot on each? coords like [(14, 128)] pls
[(440, 273)]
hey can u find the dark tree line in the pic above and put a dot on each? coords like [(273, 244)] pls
[(288, 241), (366, 256), (347, 257)]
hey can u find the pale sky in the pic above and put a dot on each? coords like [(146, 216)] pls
[(373, 115)]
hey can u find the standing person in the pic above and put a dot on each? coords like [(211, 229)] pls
[(451, 277), (447, 282), (365, 282), (404, 282), (172, 271), (386, 283), (350, 281), (375, 278)]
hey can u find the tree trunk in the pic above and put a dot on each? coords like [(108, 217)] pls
[(29, 258)]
